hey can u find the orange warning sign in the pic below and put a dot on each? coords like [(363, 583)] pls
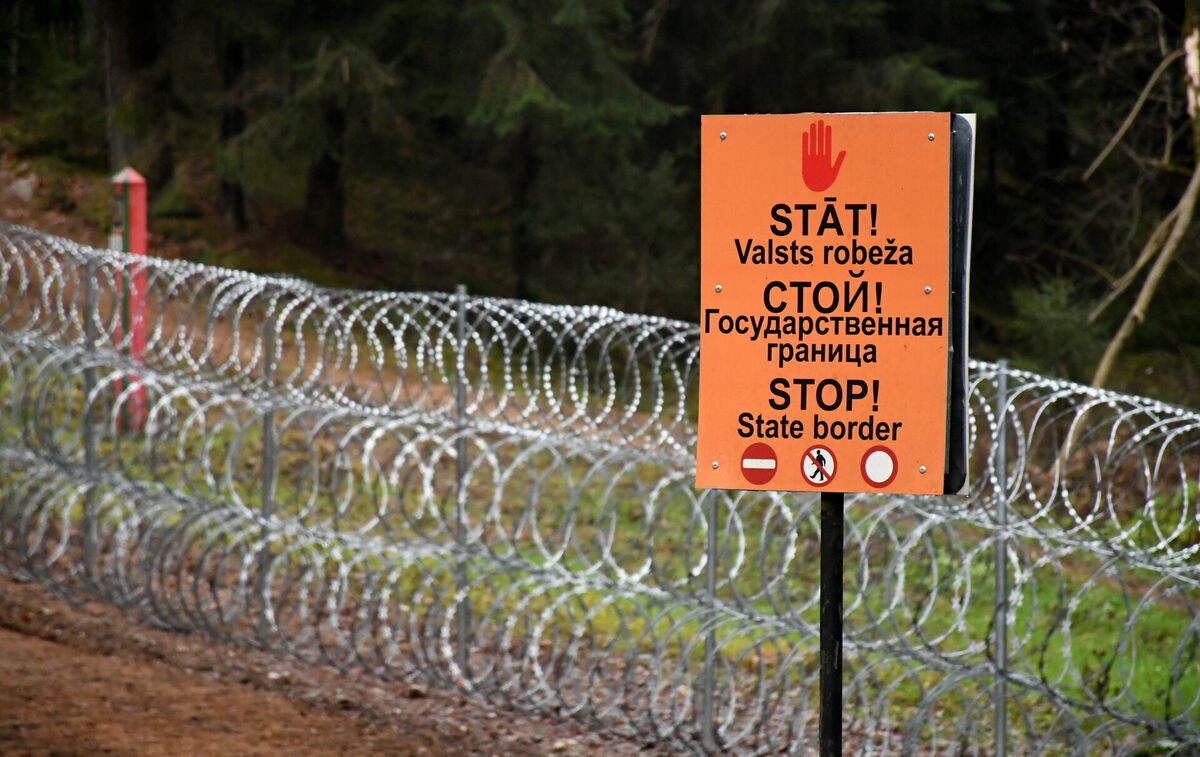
[(825, 300)]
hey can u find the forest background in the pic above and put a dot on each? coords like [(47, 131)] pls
[(548, 149)]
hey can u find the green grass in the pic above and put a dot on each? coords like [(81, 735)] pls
[(610, 512)]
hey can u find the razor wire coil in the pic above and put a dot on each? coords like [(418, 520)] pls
[(496, 496)]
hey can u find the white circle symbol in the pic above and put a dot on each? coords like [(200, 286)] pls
[(879, 466)]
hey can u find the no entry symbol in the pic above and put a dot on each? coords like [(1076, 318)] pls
[(819, 465), (759, 463), (879, 466)]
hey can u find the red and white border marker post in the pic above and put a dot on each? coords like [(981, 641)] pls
[(129, 333)]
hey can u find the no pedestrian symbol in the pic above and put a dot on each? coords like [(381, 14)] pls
[(759, 463), (819, 465)]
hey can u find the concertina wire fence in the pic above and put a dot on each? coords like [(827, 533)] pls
[(496, 496)]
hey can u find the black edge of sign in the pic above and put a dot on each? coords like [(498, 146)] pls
[(962, 175)]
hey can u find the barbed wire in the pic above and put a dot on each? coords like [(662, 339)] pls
[(496, 496)]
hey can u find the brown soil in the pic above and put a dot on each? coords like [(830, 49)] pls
[(85, 679)]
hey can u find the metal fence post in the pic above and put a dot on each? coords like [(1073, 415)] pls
[(89, 423), (1000, 622), (121, 422), (708, 731), (269, 468), (463, 610)]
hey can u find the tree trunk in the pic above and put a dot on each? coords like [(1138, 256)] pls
[(523, 254), (116, 79), (325, 200), (130, 46), (14, 55), (231, 198)]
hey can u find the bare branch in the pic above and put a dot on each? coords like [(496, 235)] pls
[(1189, 271), (653, 20), (1081, 260), (1183, 219), (1152, 245), (1133, 114)]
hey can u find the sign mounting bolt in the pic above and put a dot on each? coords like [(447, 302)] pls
[(922, 469), (930, 136), (719, 288), (928, 290), (723, 135), (716, 465)]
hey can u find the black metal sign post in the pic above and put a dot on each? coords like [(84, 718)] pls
[(832, 517), (962, 164)]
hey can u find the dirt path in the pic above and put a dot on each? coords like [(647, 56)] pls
[(85, 680)]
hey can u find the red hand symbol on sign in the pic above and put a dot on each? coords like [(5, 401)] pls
[(819, 173)]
